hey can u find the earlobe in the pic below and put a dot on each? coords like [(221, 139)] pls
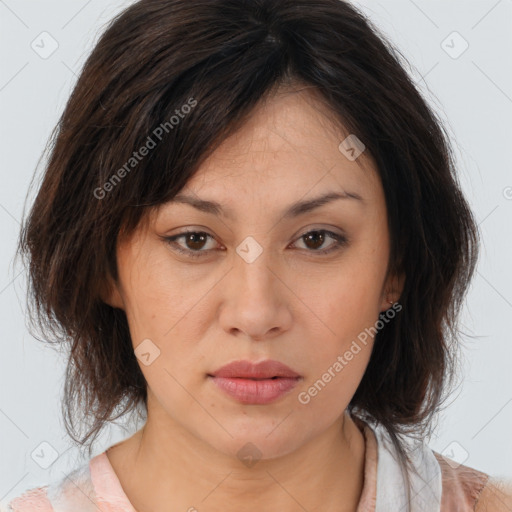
[(393, 291), (110, 295)]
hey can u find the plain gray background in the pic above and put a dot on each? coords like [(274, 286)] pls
[(460, 56)]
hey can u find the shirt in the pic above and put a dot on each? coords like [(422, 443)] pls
[(441, 484)]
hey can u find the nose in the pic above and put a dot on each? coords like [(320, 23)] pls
[(256, 300)]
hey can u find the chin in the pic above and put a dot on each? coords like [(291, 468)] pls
[(253, 440)]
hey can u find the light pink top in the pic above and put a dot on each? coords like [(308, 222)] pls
[(452, 487)]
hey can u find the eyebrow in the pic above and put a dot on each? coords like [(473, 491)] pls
[(294, 210)]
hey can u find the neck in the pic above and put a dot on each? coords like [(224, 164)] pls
[(161, 468)]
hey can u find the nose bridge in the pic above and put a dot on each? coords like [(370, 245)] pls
[(252, 268), (254, 301)]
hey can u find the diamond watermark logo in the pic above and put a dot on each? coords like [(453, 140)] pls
[(147, 352), (44, 455), (249, 454), (455, 454), (351, 147), (454, 45), (249, 250), (45, 45)]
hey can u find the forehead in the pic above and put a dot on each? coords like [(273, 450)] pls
[(285, 155), (291, 138)]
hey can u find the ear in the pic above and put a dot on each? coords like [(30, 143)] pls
[(109, 294), (392, 290)]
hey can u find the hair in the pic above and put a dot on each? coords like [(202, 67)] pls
[(185, 75)]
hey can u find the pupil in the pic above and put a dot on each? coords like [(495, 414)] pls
[(191, 241), (315, 236), (314, 240)]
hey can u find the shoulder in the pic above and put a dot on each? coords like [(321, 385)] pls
[(465, 488), (73, 491), (91, 487), (31, 500), (496, 496)]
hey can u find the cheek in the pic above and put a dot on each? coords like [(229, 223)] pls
[(344, 307), (159, 298), (335, 374), (168, 308), (346, 297), (340, 348)]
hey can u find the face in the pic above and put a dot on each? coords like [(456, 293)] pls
[(255, 280)]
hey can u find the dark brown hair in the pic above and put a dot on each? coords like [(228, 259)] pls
[(223, 57)]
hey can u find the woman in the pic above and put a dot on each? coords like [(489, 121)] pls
[(250, 227)]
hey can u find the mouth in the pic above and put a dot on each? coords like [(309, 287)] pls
[(252, 378), (264, 370), (255, 391), (255, 383)]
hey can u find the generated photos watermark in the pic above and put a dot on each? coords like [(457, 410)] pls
[(304, 397), (151, 142)]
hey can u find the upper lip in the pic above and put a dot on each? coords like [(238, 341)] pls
[(262, 370)]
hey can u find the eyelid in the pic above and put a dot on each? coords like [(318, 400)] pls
[(340, 239), (171, 240)]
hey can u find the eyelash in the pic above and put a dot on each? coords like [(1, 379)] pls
[(340, 240)]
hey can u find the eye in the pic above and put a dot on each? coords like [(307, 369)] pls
[(317, 238), (194, 242)]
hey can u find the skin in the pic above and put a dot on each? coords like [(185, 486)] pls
[(291, 304)]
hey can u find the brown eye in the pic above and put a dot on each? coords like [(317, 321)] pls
[(316, 239), (195, 241), (193, 245)]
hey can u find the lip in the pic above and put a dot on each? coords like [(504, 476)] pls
[(262, 370), (255, 383)]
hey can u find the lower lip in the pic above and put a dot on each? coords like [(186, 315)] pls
[(257, 392)]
